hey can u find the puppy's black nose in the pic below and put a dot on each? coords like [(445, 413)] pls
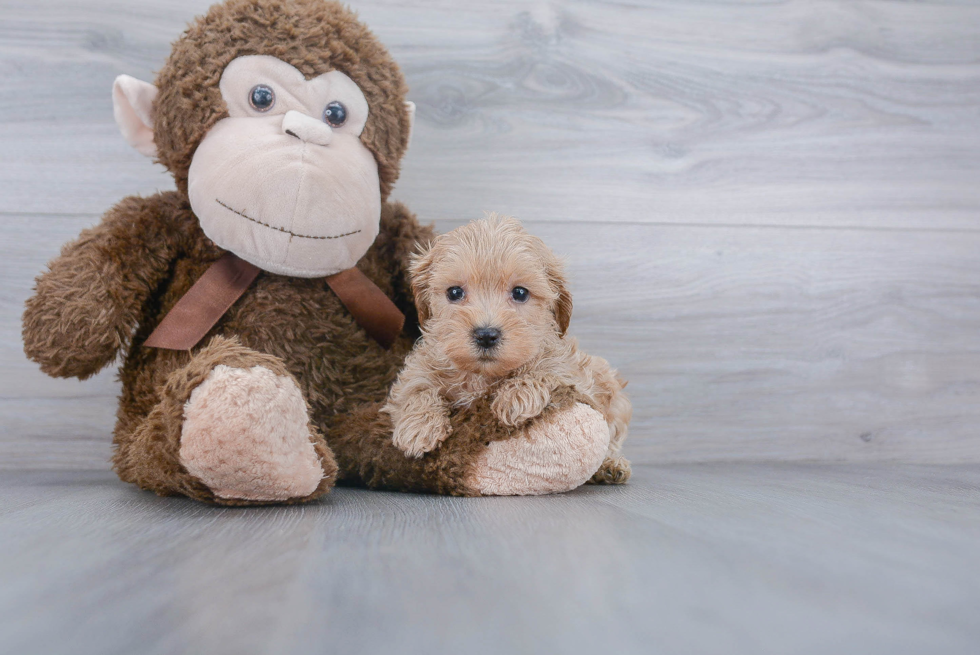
[(486, 337)]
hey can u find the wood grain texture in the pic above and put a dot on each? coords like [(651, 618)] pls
[(801, 113), (770, 210), (734, 558)]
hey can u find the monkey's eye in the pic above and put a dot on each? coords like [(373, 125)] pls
[(261, 97), (520, 294), (455, 294), (335, 114)]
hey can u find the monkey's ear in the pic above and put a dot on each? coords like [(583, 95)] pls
[(410, 108), (421, 273), (132, 106)]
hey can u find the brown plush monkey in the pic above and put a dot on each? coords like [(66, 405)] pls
[(267, 283)]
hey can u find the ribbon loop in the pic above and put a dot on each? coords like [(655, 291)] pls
[(226, 280)]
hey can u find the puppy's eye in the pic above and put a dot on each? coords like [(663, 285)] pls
[(335, 114), (520, 294), (261, 97), (455, 294)]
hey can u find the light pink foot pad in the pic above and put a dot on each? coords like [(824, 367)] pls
[(245, 435), (555, 456)]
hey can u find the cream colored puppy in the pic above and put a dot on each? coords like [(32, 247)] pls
[(494, 307)]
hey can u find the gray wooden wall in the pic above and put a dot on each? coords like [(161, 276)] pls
[(771, 210)]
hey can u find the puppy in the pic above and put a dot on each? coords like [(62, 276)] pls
[(494, 307)]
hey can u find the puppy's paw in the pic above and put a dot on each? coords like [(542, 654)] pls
[(518, 401), (419, 433), (612, 471)]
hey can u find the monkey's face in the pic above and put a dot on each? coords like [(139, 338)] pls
[(284, 181)]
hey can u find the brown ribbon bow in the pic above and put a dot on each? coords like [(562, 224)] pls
[(226, 280)]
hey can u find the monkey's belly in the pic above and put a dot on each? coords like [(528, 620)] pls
[(337, 364)]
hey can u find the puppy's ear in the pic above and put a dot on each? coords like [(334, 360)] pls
[(563, 304), (563, 310), (420, 270)]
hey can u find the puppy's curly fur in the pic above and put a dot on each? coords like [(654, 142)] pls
[(494, 307)]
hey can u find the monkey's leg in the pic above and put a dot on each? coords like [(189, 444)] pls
[(558, 452), (555, 452), (231, 427)]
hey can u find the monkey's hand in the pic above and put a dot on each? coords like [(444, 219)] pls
[(86, 306), (520, 399), (421, 423)]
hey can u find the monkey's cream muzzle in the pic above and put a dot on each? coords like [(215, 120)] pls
[(315, 211)]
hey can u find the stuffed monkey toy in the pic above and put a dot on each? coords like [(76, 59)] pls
[(263, 308)]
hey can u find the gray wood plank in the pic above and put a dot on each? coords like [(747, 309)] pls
[(724, 558), (788, 113), (739, 344)]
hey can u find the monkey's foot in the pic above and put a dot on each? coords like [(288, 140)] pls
[(246, 435), (557, 454)]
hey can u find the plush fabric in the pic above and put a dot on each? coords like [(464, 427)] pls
[(313, 36), (148, 445), (240, 206), (564, 452), (130, 99), (111, 287), (293, 92), (246, 435), (281, 188)]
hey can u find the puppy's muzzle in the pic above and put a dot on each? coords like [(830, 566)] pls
[(486, 337)]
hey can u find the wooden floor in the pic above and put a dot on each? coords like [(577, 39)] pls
[(771, 214), (711, 558)]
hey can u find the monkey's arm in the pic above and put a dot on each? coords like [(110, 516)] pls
[(86, 306)]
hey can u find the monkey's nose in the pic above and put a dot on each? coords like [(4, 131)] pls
[(306, 128), (486, 337)]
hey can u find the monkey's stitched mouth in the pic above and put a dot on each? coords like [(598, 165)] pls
[(282, 229)]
